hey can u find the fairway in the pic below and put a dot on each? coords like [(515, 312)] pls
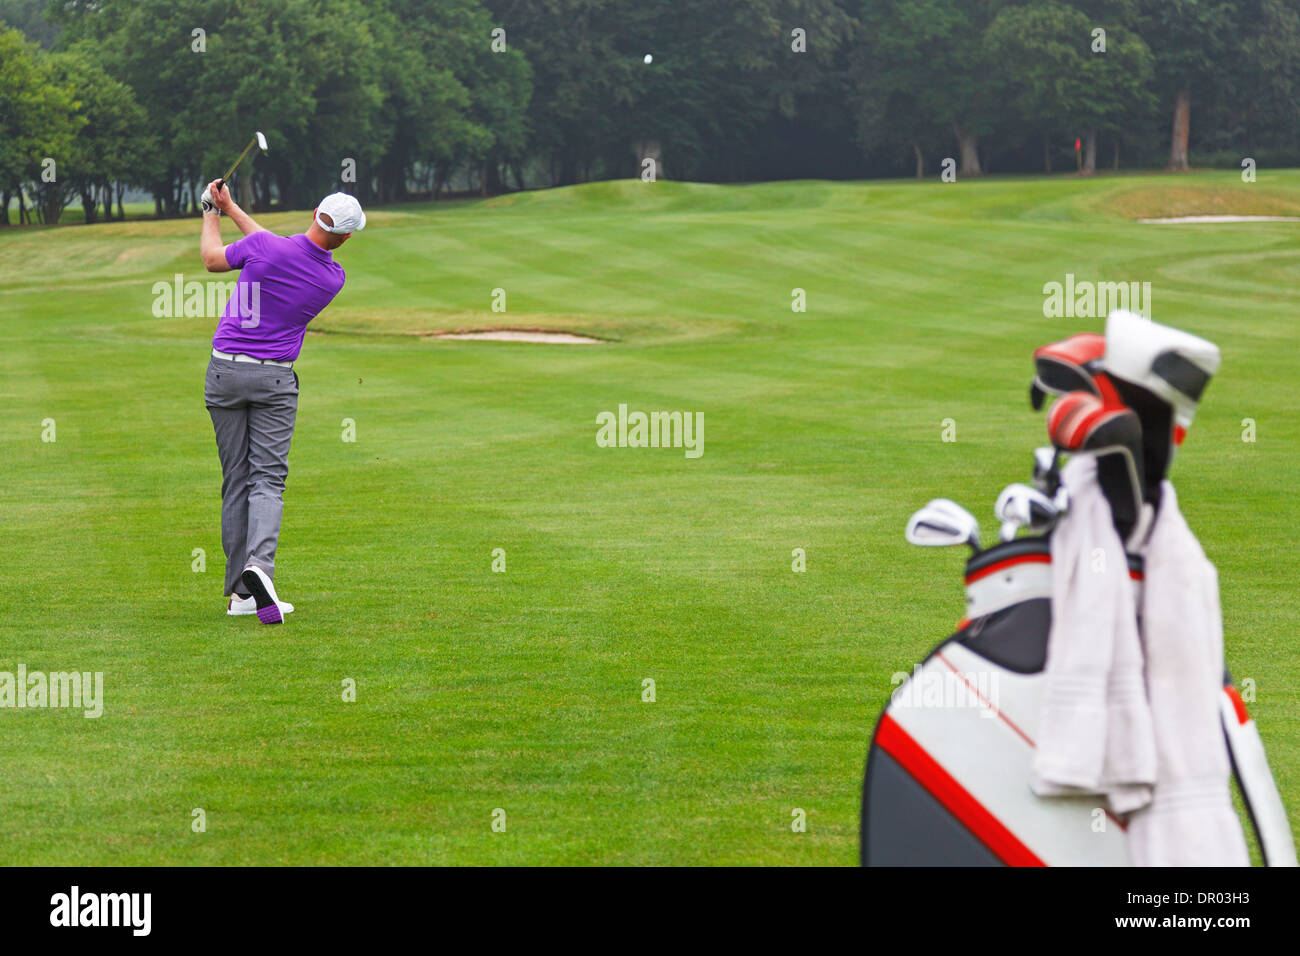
[(481, 690)]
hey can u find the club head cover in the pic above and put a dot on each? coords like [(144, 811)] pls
[(1161, 373), (1083, 423), (1070, 365)]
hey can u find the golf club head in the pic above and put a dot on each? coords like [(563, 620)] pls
[(943, 523), (1047, 477), (261, 141), (1021, 506)]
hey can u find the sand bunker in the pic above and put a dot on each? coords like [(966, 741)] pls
[(554, 336), (1196, 219)]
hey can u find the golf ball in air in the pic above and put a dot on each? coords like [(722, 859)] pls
[(649, 58)]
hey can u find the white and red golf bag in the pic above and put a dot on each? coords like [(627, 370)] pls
[(948, 769)]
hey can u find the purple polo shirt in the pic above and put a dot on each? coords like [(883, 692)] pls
[(285, 282)]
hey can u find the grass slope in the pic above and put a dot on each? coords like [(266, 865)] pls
[(522, 690)]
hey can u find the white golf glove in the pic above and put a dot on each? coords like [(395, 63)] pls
[(209, 207)]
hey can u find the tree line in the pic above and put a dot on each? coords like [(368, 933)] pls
[(392, 99)]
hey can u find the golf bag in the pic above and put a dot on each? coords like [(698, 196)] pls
[(947, 779)]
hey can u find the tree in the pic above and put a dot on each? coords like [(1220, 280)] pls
[(1116, 93), (1044, 50), (309, 77), (113, 145), (413, 96), (150, 46), (892, 91), (1264, 91), (483, 94), (721, 73), (581, 54), (38, 122), (28, 17), (382, 87), (1190, 40), (924, 64), (731, 81), (1054, 79)]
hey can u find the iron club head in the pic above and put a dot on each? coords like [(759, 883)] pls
[(1047, 475), (1020, 506), (942, 523)]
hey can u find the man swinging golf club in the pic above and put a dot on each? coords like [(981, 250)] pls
[(251, 390)]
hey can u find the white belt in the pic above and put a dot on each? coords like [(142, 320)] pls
[(237, 357)]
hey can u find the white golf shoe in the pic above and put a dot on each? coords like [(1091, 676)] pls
[(238, 607), (258, 583)]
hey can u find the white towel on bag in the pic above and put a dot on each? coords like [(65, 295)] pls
[(1191, 820), (1095, 731)]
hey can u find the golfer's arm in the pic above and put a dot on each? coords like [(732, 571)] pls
[(210, 246), (243, 220)]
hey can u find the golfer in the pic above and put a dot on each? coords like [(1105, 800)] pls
[(251, 389)]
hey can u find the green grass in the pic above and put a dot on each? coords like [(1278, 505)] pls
[(522, 690)]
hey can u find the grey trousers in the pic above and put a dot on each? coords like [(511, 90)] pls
[(253, 409)]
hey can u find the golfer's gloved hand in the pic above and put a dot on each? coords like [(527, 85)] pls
[(214, 198)]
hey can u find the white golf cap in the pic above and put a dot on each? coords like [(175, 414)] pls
[(344, 211), (1173, 365)]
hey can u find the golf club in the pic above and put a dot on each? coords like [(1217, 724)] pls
[(259, 141), (1047, 476), (942, 523), (1020, 506)]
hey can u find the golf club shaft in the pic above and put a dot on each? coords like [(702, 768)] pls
[(231, 171)]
